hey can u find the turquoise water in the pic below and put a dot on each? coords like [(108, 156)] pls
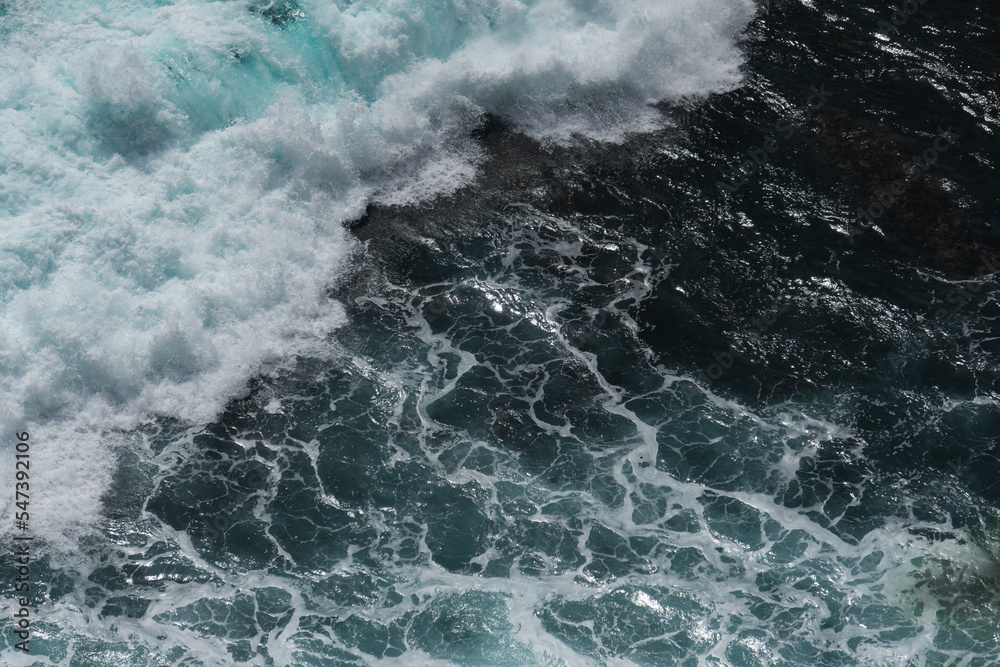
[(399, 333)]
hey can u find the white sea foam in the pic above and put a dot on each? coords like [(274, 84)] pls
[(175, 176)]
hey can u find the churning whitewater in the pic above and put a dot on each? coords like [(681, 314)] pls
[(177, 177), (500, 333)]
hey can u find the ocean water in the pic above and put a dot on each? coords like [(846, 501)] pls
[(499, 332)]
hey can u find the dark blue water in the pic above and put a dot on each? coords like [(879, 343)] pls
[(542, 333)]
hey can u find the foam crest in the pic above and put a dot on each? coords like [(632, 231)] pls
[(558, 69)]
